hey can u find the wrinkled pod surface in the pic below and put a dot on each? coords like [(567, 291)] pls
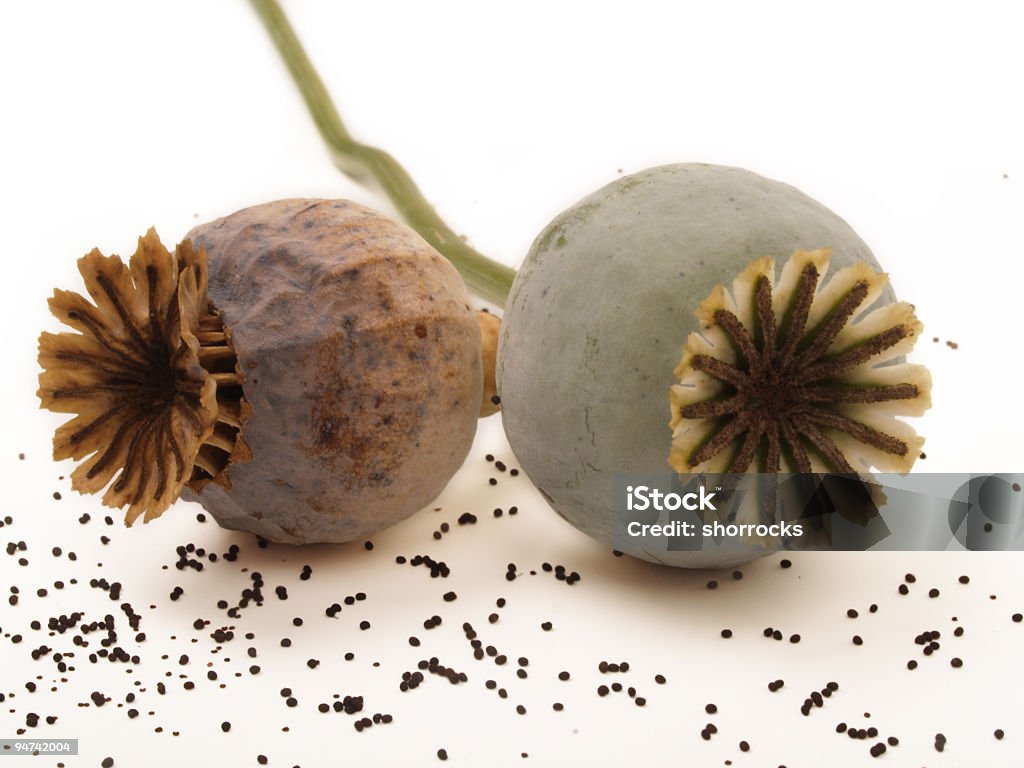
[(307, 370)]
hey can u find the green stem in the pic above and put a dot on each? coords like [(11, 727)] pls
[(485, 277)]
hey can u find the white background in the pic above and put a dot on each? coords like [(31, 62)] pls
[(906, 119)]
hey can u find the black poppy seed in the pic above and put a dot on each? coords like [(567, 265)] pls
[(785, 563), (777, 635), (414, 641), (794, 638), (910, 578), (744, 746), (513, 510), (503, 693), (956, 662), (546, 626), (617, 687), (841, 728), (710, 709), (449, 596), (659, 679), (286, 642), (563, 676), (712, 584), (442, 754), (958, 632), (1017, 618), (878, 749), (852, 613), (998, 733), (858, 640), (933, 592), (726, 633), (602, 690), (768, 631), (520, 709), (904, 589), (557, 706), (108, 762), (225, 726), (515, 472)]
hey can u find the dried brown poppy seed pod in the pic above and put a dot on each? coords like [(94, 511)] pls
[(318, 381)]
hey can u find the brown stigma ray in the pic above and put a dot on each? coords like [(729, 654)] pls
[(802, 386), (151, 375)]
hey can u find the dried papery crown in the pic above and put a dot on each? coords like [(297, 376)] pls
[(795, 374), (151, 374)]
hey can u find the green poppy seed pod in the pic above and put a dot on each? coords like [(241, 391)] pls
[(614, 289), (307, 370)]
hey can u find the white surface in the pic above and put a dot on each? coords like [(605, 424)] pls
[(906, 120)]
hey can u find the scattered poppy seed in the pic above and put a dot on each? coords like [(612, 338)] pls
[(442, 754), (710, 709), (998, 733), (785, 563), (858, 640), (933, 592), (712, 584), (956, 662), (726, 633), (904, 589)]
